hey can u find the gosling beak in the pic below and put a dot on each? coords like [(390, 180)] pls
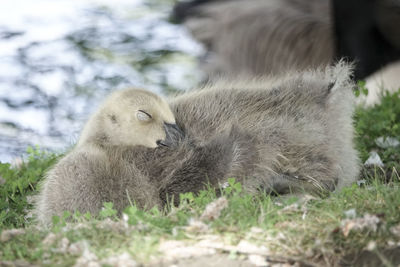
[(173, 135)]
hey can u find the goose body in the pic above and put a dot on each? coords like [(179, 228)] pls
[(97, 169), (261, 37), (285, 134)]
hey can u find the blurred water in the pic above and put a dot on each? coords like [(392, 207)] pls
[(59, 59)]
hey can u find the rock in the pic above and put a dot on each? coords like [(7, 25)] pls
[(173, 250), (7, 235), (374, 160), (366, 222), (77, 248), (386, 142), (350, 214), (395, 230), (17, 263), (49, 239), (88, 259), (196, 226), (213, 210), (123, 260)]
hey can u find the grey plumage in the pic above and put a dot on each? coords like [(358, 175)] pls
[(261, 37), (288, 134), (98, 168)]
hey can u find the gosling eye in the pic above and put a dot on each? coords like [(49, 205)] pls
[(143, 115)]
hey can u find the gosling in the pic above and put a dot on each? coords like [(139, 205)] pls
[(289, 134), (99, 168)]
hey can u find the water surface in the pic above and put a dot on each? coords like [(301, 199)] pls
[(59, 59)]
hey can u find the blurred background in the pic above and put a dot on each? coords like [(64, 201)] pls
[(59, 59)]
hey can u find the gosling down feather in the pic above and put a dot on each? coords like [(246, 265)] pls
[(279, 135), (97, 169), (274, 135)]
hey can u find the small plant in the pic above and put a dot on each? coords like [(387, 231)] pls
[(59, 222), (108, 211), (233, 187), (361, 88)]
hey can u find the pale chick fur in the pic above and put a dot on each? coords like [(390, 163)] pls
[(289, 134), (95, 170)]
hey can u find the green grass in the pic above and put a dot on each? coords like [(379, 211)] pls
[(311, 231), (20, 184), (381, 120), (313, 228)]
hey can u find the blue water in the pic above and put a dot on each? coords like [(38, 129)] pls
[(59, 59)]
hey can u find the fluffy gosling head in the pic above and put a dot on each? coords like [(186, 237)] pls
[(132, 117)]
